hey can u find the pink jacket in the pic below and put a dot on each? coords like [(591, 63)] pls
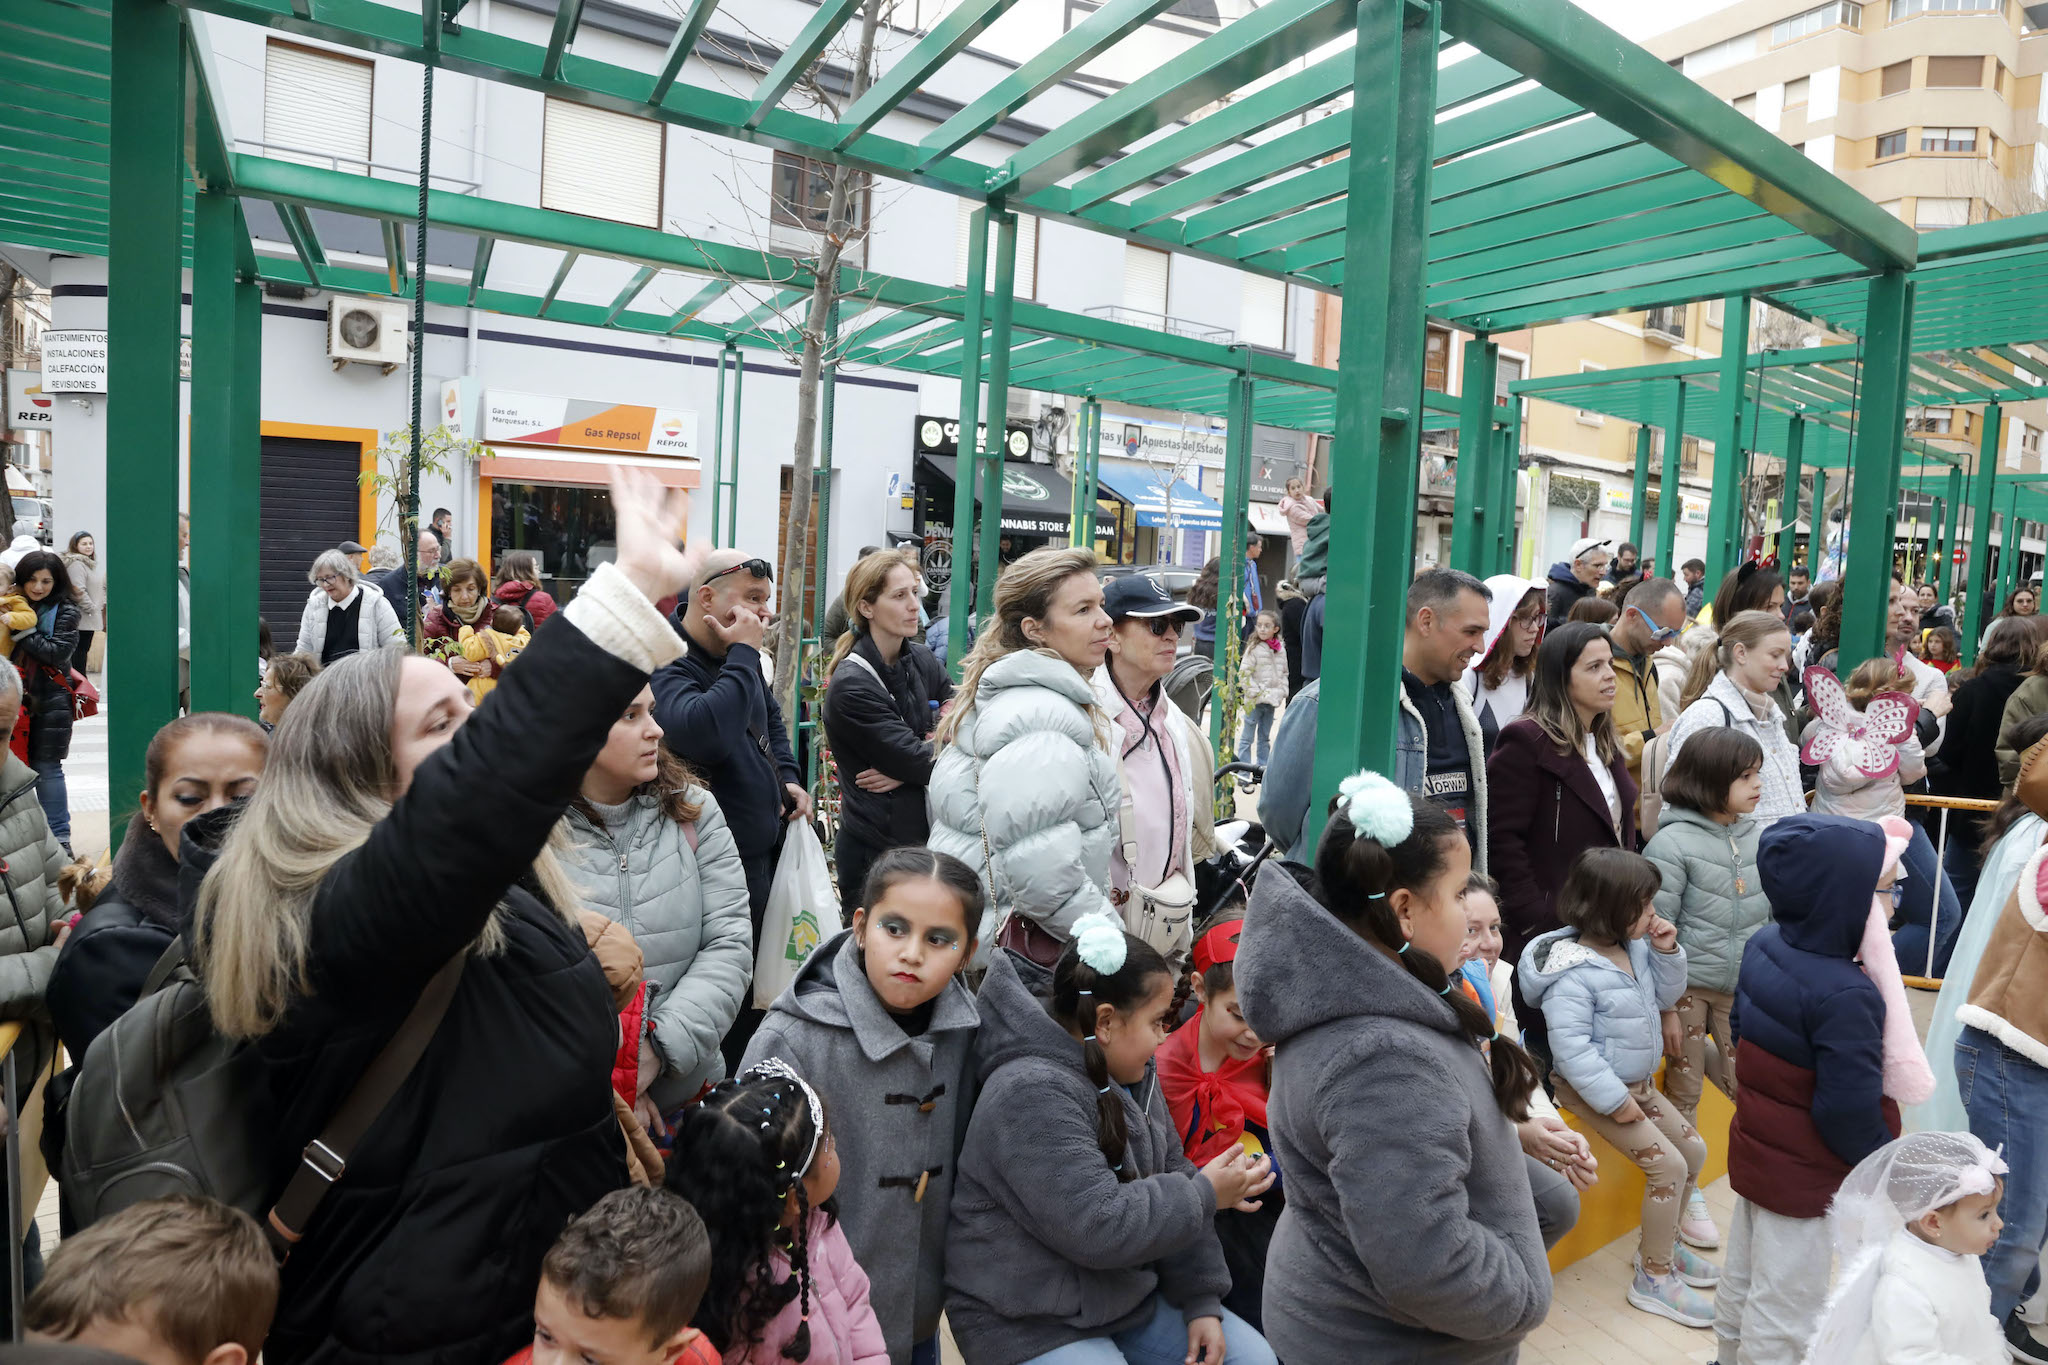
[(843, 1326), (1299, 512)]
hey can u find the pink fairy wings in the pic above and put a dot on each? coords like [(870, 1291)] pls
[(1866, 741)]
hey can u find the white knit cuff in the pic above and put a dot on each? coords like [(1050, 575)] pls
[(621, 621)]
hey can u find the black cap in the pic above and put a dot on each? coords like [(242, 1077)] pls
[(1143, 596)]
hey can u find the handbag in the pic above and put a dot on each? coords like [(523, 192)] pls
[(1162, 915), (1021, 934)]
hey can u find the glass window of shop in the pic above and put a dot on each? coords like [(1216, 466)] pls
[(569, 528)]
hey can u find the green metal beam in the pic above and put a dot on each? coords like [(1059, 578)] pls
[(394, 255), (1978, 583), (1639, 490), (988, 465), (959, 27), (1670, 488), (960, 594), (629, 293), (1875, 467), (1470, 510), (479, 269), (699, 301), (680, 47), (569, 259), (825, 22), (1795, 459), (568, 14)]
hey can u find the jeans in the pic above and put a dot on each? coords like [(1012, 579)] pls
[(1258, 726), (83, 652), (2006, 1097), (1962, 859), (54, 798), (1557, 1202), (1924, 879), (925, 1352), (1162, 1341)]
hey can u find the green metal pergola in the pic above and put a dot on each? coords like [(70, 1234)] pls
[(1494, 164)]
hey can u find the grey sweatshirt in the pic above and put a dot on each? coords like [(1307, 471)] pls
[(1046, 1246), (1410, 1232), (897, 1106)]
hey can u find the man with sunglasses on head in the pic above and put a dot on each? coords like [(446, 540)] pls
[(718, 715), (1651, 617)]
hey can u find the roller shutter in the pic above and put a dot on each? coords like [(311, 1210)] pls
[(310, 503)]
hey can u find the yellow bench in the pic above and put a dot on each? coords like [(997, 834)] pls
[(1614, 1207)]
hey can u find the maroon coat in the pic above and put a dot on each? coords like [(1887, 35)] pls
[(1543, 810)]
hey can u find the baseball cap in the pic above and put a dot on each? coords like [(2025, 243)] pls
[(1582, 548), (1141, 595)]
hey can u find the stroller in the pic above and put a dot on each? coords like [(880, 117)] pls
[(1188, 684)]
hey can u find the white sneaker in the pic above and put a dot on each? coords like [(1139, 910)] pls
[(1697, 1228), (1669, 1297)]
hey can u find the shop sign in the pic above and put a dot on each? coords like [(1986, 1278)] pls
[(1693, 511), (458, 406), (28, 407), (1162, 443), (580, 423), (75, 362), (1618, 500), (941, 436), (1269, 476)]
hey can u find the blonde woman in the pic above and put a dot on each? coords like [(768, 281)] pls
[(397, 832), (880, 710), (1024, 790), (1735, 684)]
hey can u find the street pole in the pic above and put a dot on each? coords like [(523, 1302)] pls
[(960, 590)]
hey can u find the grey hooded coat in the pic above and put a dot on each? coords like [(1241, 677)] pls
[(1410, 1232), (898, 1107), (1711, 891), (1027, 764), (687, 909), (1046, 1246)]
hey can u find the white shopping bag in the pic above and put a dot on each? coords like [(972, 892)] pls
[(800, 900)]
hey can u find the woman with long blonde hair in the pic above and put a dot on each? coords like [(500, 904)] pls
[(880, 709), (1024, 790), (400, 839), (1735, 683)]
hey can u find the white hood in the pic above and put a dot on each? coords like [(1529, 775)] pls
[(1508, 592)]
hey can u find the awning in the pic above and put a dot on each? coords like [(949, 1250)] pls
[(1149, 488), (1037, 499), (1268, 519)]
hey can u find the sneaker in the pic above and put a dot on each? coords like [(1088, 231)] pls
[(1697, 1227), (2020, 1343), (1668, 1297), (1695, 1269)]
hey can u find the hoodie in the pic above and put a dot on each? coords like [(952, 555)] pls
[(1046, 1247), (1410, 1231), (1565, 592), (1606, 1033), (1497, 706), (1808, 1024), (898, 1105)]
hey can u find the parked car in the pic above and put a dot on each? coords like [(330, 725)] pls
[(35, 510)]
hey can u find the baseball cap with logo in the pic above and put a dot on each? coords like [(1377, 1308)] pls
[(1143, 596)]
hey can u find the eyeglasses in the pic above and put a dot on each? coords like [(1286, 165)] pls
[(329, 579), (1658, 633), (759, 568), (1161, 626)]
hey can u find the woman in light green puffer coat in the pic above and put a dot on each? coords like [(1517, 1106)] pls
[(1705, 850)]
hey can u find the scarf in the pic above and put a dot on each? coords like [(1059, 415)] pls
[(470, 617), (146, 875), (1211, 1109)]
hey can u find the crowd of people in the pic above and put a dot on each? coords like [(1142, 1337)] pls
[(1029, 1081)]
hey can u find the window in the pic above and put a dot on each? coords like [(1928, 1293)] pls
[(1714, 307), (1145, 277), (1932, 421), (1895, 207), (1740, 48), (1587, 415), (1896, 78), (1436, 360), (1689, 455), (1264, 319), (1814, 20), (1745, 105), (1940, 213), (1026, 286), (1510, 369), (1667, 321), (1891, 144), (1796, 91), (1955, 73), (1906, 9), (1948, 139), (800, 206), (2030, 439), (316, 107), (600, 164)]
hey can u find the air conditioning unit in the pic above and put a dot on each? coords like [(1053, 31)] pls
[(370, 331)]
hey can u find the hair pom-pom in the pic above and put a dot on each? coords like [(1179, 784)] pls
[(1377, 808), (1099, 943)]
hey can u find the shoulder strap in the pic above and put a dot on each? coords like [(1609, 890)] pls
[(173, 958), (1727, 716), (856, 659), (325, 1159)]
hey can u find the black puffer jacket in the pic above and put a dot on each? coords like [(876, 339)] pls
[(428, 1251), (99, 974), (44, 658), (1967, 762), (1566, 592), (882, 717)]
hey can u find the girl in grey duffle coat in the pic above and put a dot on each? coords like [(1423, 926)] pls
[(879, 1021)]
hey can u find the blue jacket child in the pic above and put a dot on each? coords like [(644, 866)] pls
[(1606, 1033)]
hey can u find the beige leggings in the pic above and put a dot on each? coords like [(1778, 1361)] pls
[(1702, 1013), (1665, 1147)]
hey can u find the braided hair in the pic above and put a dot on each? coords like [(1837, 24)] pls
[(738, 1159), (1078, 990), (1354, 876)]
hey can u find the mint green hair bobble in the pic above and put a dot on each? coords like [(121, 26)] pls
[(1377, 808), (1099, 943)]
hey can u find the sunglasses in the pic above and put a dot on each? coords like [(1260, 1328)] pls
[(759, 568), (1658, 633), (1161, 626)]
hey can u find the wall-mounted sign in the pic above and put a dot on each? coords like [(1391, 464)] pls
[(941, 436), (1620, 500), (579, 423), (1161, 442), (75, 362), (28, 407), (1693, 511)]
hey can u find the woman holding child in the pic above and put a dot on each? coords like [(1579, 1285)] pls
[(316, 938)]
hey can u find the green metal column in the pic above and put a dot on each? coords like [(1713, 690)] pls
[(1374, 456), (960, 591), (1874, 468), (1470, 507), (1670, 490), (1724, 512), (1507, 460), (145, 282), (1639, 491), (1795, 471), (718, 446), (2009, 552), (1091, 455), (1951, 531), (1230, 603), (227, 377), (731, 479), (1816, 538), (1001, 302)]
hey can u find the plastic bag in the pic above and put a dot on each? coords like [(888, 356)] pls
[(799, 898)]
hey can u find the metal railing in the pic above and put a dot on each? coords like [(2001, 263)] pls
[(1163, 322), (1944, 804)]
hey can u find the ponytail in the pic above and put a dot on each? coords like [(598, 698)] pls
[(1354, 877), (1078, 993)]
